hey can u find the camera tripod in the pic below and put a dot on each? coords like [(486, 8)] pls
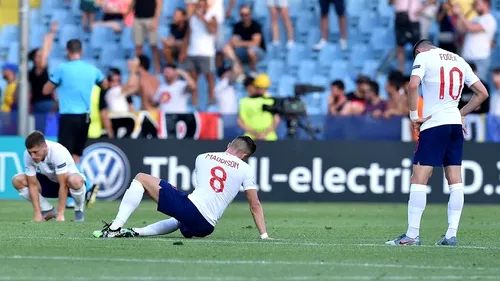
[(293, 123)]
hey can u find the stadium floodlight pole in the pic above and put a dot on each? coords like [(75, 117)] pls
[(23, 101)]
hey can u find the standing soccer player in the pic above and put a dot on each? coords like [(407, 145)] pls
[(50, 173), (74, 81), (441, 129), (219, 176)]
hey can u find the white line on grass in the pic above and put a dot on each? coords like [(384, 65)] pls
[(242, 262), (272, 242), (236, 278)]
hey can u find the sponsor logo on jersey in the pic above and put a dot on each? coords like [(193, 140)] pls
[(108, 167), (416, 66)]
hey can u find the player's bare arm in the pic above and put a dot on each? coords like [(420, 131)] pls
[(63, 195), (416, 120), (34, 190), (480, 95), (257, 212)]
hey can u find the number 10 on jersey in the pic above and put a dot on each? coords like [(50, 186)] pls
[(453, 95), (218, 178)]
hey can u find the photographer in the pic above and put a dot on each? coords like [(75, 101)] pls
[(257, 123)]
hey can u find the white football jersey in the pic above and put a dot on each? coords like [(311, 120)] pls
[(219, 176), (443, 75), (58, 161)]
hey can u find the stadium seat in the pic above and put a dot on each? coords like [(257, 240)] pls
[(286, 86), (326, 55), (126, 41), (382, 80), (367, 22), (370, 68), (62, 17), (13, 54), (54, 62), (109, 53), (294, 55), (37, 33), (360, 53), (101, 35), (321, 81), (306, 71), (121, 64), (260, 10), (169, 8), (68, 32), (9, 34), (275, 69), (35, 17), (338, 69)]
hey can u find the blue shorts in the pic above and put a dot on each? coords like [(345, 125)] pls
[(176, 204), (440, 146), (242, 53), (50, 189)]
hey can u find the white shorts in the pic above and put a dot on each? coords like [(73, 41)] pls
[(277, 3)]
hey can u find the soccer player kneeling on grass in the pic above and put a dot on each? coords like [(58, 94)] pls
[(219, 176), (56, 176)]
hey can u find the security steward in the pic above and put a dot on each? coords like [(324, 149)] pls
[(257, 123)]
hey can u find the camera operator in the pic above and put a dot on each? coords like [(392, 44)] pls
[(257, 123)]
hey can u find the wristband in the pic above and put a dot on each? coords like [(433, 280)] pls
[(413, 115), (264, 236)]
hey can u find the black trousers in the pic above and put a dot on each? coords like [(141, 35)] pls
[(73, 132)]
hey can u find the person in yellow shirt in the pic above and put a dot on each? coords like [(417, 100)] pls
[(257, 123), (9, 95)]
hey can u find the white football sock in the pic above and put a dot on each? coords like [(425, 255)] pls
[(131, 200), (158, 228), (44, 204), (455, 206), (416, 207), (79, 196)]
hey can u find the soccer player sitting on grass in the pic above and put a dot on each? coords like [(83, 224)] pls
[(52, 173), (219, 176)]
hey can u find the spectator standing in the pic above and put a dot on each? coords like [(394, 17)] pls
[(89, 9), (225, 93), (172, 45), (200, 43), (146, 20), (116, 14), (406, 25), (280, 7), (340, 10), (479, 34), (148, 84), (447, 32), (495, 97), (173, 96), (427, 14), (74, 81), (39, 75), (397, 104), (247, 40), (9, 73)]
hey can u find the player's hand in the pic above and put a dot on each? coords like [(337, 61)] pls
[(60, 218), (417, 123), (38, 218)]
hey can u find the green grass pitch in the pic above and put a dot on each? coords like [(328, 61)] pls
[(314, 242)]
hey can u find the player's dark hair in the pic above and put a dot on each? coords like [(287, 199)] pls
[(171, 65), (183, 12), (113, 71), (339, 84), (250, 146), (144, 62), (34, 139), (32, 54), (422, 42), (496, 70), (248, 81), (74, 46), (396, 79)]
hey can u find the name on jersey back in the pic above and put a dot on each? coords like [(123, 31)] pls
[(448, 57), (229, 163)]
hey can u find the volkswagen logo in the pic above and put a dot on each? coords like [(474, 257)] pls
[(108, 167)]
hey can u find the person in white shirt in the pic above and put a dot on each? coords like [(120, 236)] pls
[(479, 35), (172, 97), (441, 132), (200, 43), (225, 93), (50, 173), (495, 97), (219, 177)]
